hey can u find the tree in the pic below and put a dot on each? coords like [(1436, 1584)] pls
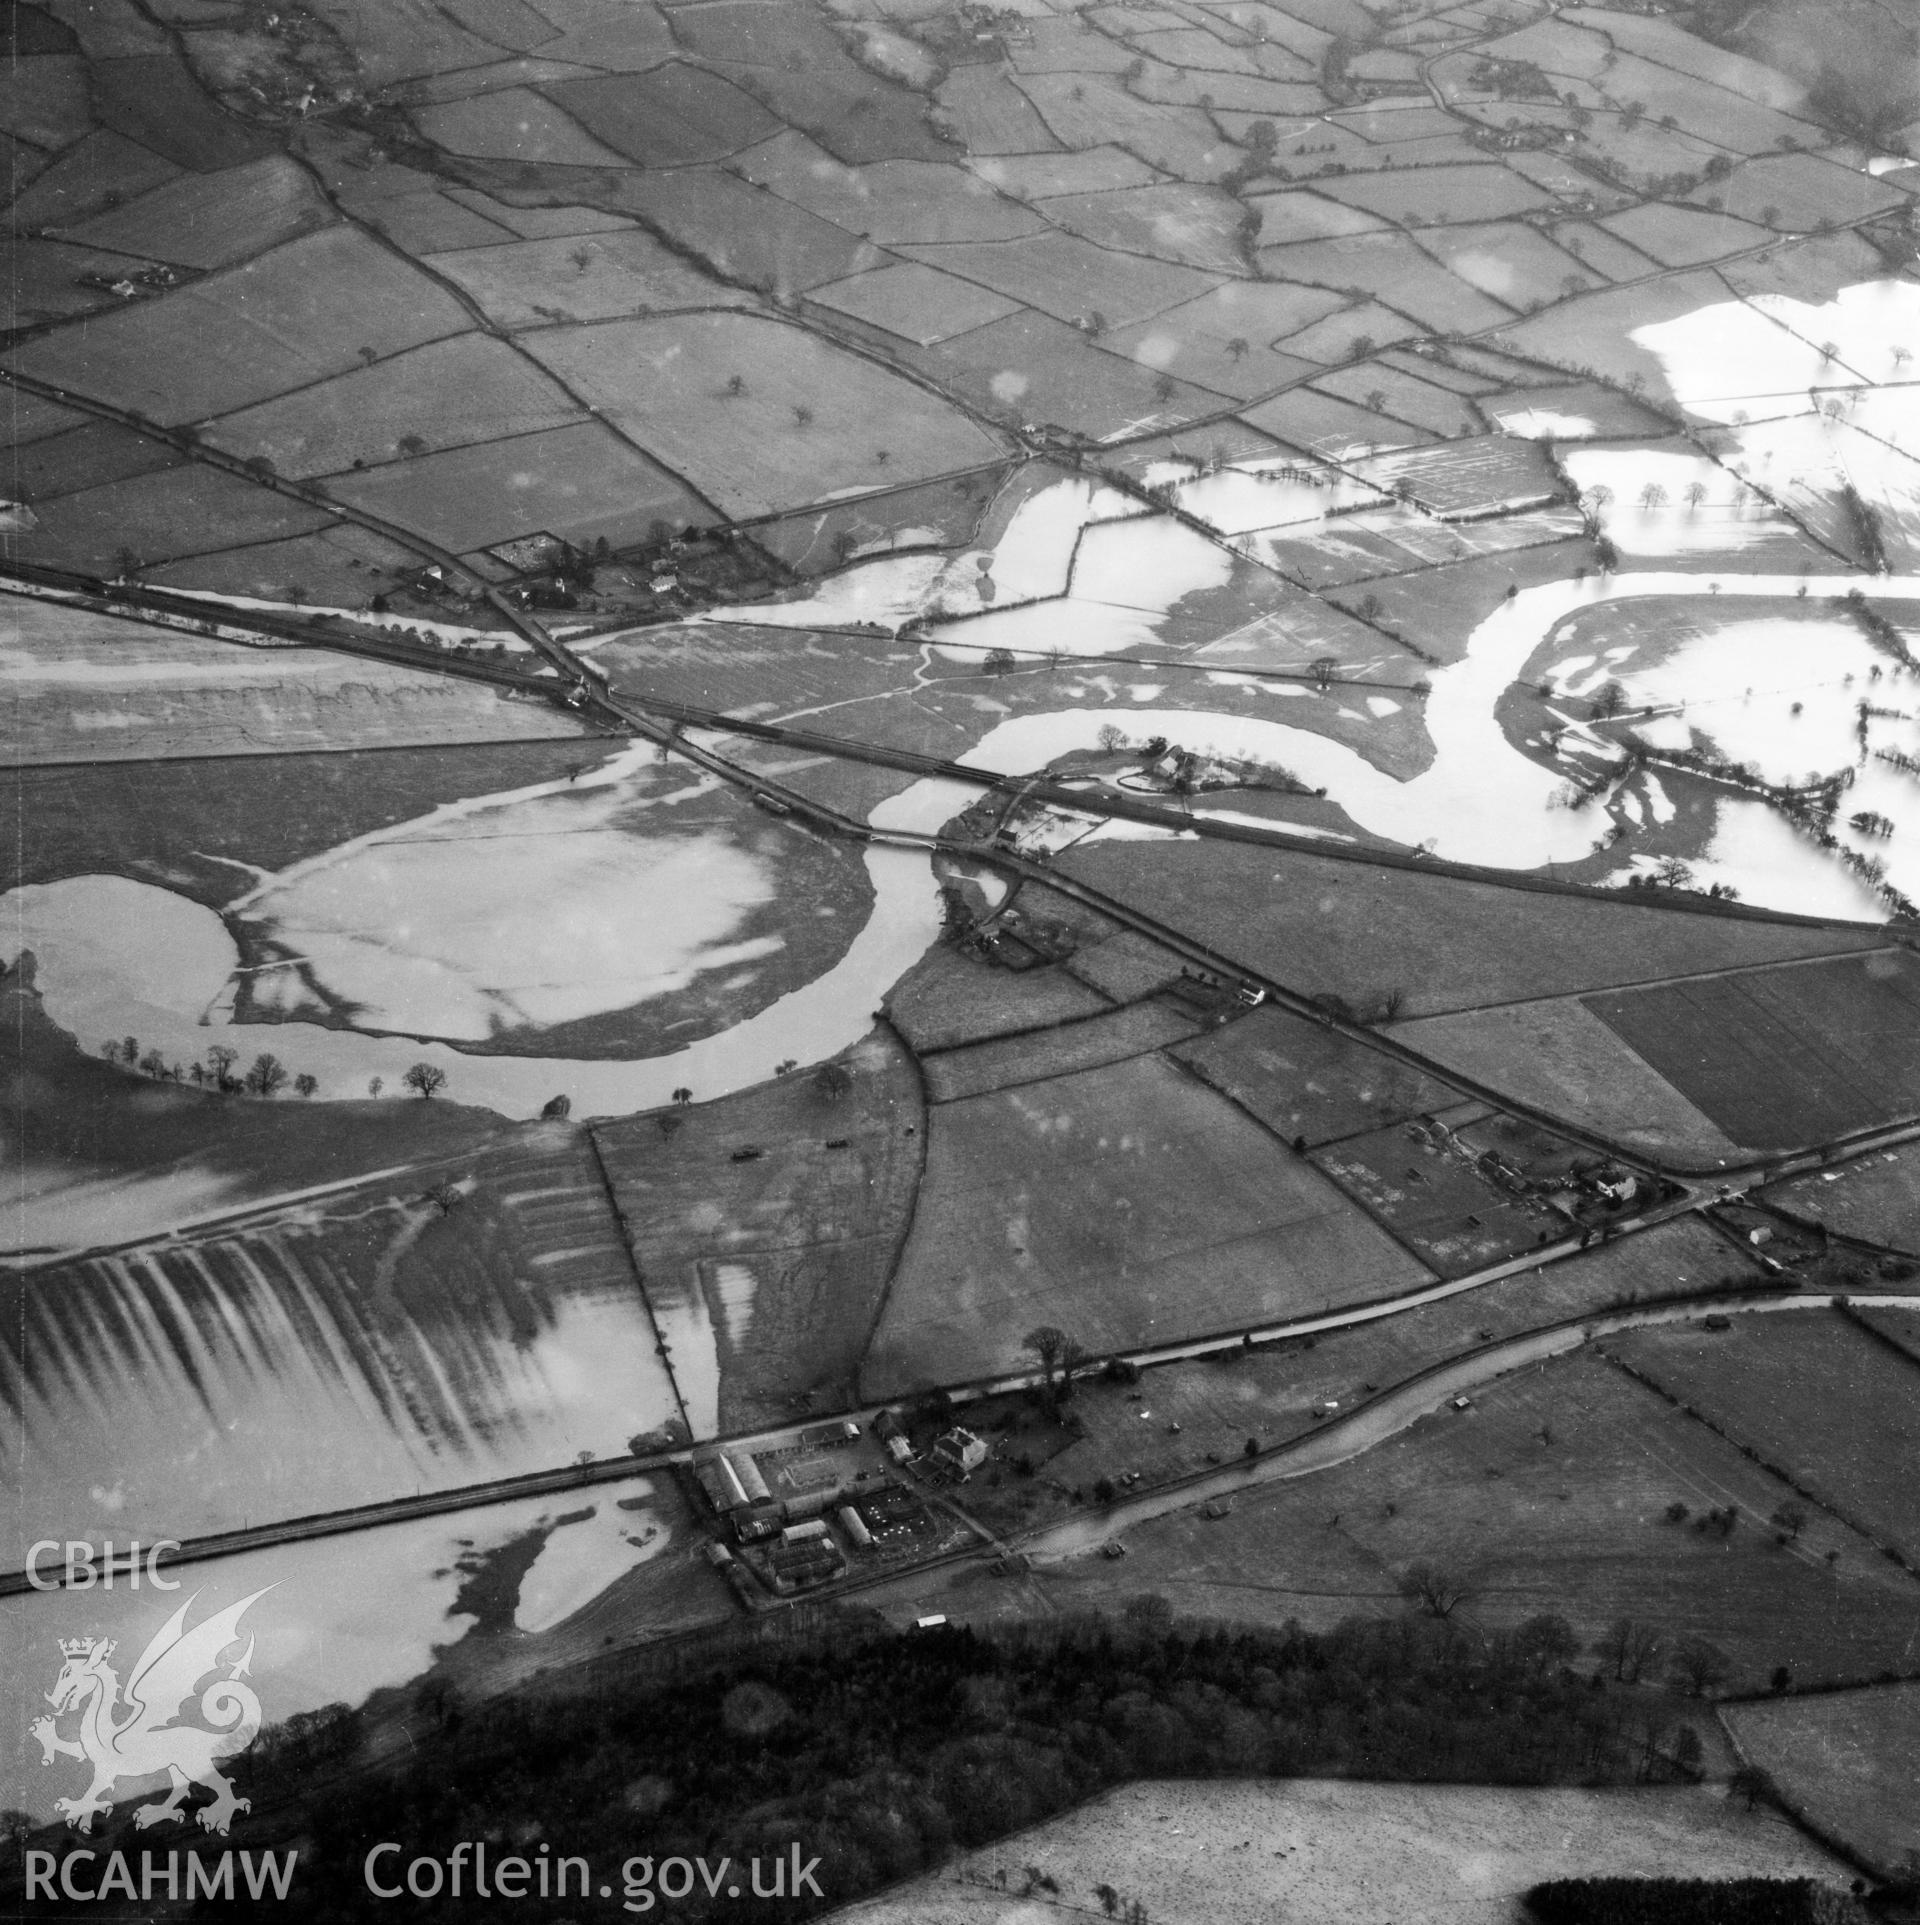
[(426, 1078), (556, 1109), (1238, 348), (1696, 493), (305, 1084), (412, 444), (1432, 1589), (221, 1058), (268, 1076), (375, 1084), (736, 385), (1048, 1342), (1629, 1647), (1323, 669), (1699, 1665), (1688, 1752), (1753, 1784), (833, 1080), (999, 661), (683, 1096), (802, 415), (1652, 496), (1791, 1519), (1163, 387), (1545, 1642)]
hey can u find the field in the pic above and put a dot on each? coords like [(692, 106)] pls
[(1038, 1056), (514, 124), (1325, 425), (165, 513), (1559, 1057), (917, 302), (947, 1000), (292, 315), (1071, 279), (1785, 1056), (1391, 267), (669, 384), (1035, 1209), (1194, 226), (890, 201), (1482, 475), (1874, 1197), (1415, 197), (1445, 942), (208, 221), (448, 394), (1350, 1853), (1575, 1526), (765, 1274), (431, 1343), (1034, 368), (671, 116), (1683, 237), (579, 483), (1829, 1403), (1440, 1207), (582, 277), (1846, 1761), (1509, 261), (1305, 1081), (209, 827), (1404, 396), (1181, 1418)]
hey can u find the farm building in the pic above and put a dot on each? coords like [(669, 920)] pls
[(960, 1451)]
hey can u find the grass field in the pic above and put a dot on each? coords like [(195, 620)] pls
[(1559, 1057), (1069, 278), (947, 1000), (1576, 1527), (1847, 1761), (1033, 1058), (161, 515), (669, 384), (1876, 1198), (579, 482), (1194, 227), (469, 388), (582, 277), (1447, 943), (766, 1274), (1302, 1080), (1832, 1405), (917, 302), (1391, 267), (670, 116), (292, 315), (1348, 1853), (1182, 1418), (1784, 1056), (1037, 1208), (1682, 236), (209, 220), (1508, 260)]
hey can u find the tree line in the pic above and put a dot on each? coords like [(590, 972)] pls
[(881, 1753)]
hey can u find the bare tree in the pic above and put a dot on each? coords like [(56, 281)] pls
[(268, 1076), (1048, 1342), (1629, 1647), (425, 1078), (1432, 1589), (1699, 1665)]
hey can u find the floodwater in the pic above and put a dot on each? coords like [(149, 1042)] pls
[(342, 1616), (179, 1389)]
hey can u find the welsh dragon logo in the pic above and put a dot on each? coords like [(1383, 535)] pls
[(133, 1734)]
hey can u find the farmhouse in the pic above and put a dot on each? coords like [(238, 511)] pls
[(960, 1452)]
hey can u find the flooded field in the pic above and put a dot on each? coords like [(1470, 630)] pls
[(460, 1324)]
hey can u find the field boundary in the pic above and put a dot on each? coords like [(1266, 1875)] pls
[(1891, 1552)]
